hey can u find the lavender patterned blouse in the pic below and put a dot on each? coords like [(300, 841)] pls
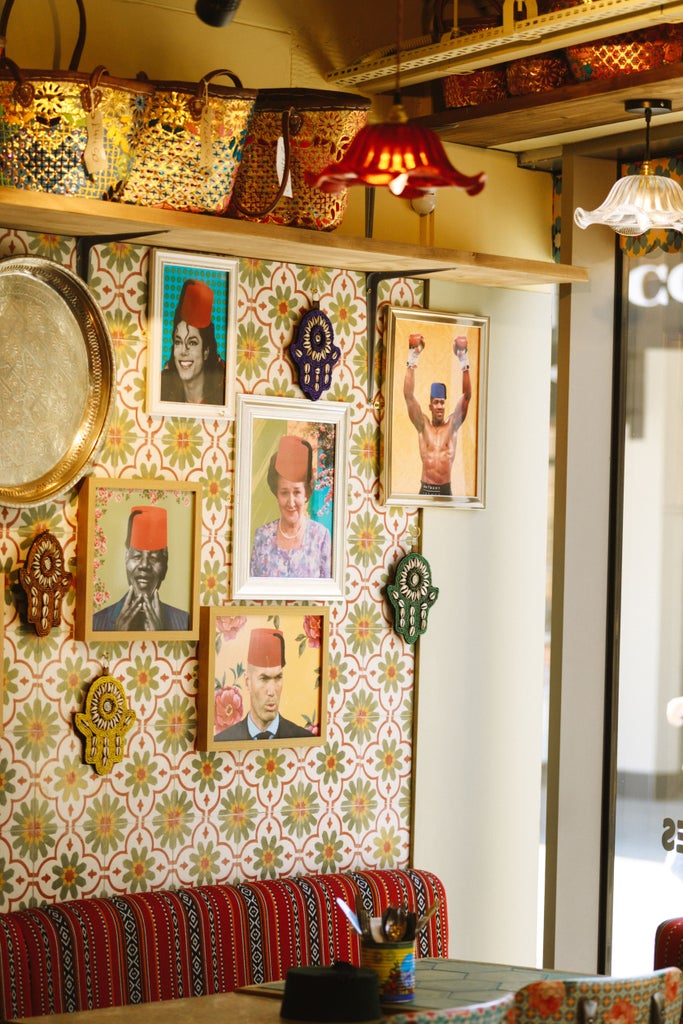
[(311, 560)]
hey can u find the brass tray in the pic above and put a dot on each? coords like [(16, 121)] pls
[(57, 376)]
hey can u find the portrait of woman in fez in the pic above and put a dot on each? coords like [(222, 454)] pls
[(290, 498), (294, 544)]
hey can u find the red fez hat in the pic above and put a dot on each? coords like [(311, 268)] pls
[(266, 648), (147, 528), (294, 459), (196, 304)]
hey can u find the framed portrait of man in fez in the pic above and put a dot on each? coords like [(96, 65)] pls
[(262, 676), (138, 557), (435, 423)]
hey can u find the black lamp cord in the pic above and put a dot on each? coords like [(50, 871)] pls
[(648, 118)]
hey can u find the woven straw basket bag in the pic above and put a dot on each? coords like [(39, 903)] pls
[(191, 145), (294, 134), (67, 132)]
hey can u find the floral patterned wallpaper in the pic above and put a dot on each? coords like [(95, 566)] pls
[(168, 815)]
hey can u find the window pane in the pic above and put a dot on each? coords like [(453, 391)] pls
[(648, 868)]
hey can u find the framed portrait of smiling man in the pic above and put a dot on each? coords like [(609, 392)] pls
[(435, 422), (192, 335), (138, 560)]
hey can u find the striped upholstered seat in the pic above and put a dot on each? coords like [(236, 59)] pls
[(89, 953)]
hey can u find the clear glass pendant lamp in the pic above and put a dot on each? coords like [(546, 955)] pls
[(640, 202)]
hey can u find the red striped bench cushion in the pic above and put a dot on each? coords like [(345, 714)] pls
[(96, 952), (15, 976)]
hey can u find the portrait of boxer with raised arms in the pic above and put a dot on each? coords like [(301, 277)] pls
[(437, 432)]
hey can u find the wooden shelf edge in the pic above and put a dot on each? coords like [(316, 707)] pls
[(68, 215)]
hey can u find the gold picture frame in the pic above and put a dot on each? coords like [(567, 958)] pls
[(107, 509), (227, 637), (435, 423)]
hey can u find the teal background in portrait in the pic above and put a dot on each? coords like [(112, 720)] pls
[(173, 278)]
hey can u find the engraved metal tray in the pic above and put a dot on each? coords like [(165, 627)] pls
[(57, 377)]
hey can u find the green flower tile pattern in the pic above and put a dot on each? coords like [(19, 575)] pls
[(168, 814)]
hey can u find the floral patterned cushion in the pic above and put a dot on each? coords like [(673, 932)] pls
[(497, 1011), (608, 1000)]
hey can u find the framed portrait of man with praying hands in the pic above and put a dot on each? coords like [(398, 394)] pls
[(138, 560), (435, 423)]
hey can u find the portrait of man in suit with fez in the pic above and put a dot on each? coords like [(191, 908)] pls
[(264, 681)]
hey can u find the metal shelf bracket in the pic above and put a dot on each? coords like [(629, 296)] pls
[(84, 243)]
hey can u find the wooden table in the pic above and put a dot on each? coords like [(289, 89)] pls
[(438, 984)]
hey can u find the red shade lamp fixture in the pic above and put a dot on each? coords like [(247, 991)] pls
[(407, 158)]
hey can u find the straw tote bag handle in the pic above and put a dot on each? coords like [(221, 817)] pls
[(80, 41), (24, 91), (199, 101), (291, 125)]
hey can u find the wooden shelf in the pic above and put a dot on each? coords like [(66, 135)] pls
[(570, 109), (424, 60), (66, 215), (571, 114)]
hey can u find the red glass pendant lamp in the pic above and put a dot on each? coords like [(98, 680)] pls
[(406, 158)]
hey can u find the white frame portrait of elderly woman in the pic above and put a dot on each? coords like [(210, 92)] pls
[(290, 501), (192, 335)]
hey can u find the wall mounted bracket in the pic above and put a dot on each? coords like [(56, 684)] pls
[(84, 244)]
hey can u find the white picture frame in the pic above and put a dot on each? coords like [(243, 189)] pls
[(260, 422), (166, 392)]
